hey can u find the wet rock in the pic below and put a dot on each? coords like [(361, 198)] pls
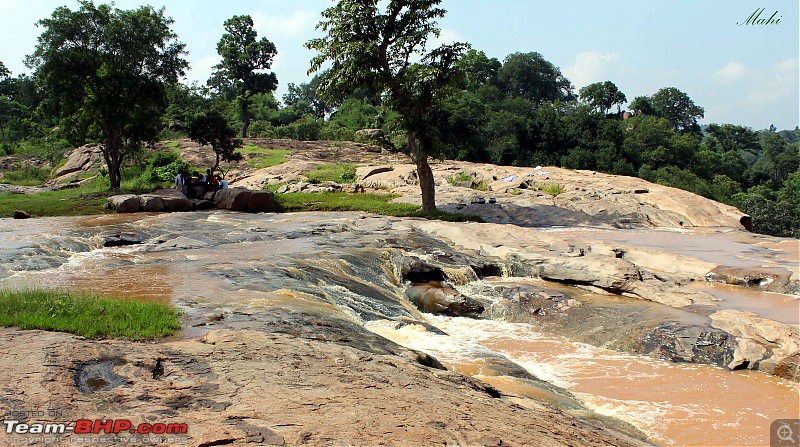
[(678, 342), (125, 203), (770, 279), (20, 214), (762, 343), (121, 240), (97, 375), (443, 300)]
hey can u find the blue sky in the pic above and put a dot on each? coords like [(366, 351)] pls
[(741, 74)]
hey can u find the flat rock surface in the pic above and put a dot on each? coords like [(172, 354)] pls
[(255, 388)]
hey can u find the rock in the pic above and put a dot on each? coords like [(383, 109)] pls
[(80, 159), (174, 200), (368, 171), (151, 203), (759, 339), (125, 203), (771, 279), (183, 243), (370, 133), (234, 387), (121, 240), (443, 300), (20, 214), (239, 199)]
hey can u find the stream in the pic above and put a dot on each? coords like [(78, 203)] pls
[(344, 266)]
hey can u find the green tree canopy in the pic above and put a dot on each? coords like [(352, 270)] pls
[(677, 107), (532, 77), (213, 129), (105, 71), (602, 96), (244, 57), (385, 52)]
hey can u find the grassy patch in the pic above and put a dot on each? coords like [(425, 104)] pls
[(87, 316), (335, 172), (27, 176), (67, 202), (464, 177), (263, 158), (554, 189), (371, 203)]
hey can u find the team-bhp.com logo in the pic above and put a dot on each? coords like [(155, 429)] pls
[(97, 426)]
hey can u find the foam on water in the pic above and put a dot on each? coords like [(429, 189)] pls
[(682, 404)]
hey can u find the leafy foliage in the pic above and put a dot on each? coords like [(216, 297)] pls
[(212, 129), (367, 48), (105, 70), (244, 56)]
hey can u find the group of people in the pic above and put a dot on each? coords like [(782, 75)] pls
[(197, 184)]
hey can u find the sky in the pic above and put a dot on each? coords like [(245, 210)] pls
[(740, 73)]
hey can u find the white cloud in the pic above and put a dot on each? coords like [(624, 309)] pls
[(200, 70), (730, 73), (775, 84), (299, 25), (446, 37), (590, 67)]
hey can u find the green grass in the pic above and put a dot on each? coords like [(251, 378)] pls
[(27, 176), (334, 172), (371, 203), (85, 315), (554, 189), (464, 177), (264, 157), (67, 202)]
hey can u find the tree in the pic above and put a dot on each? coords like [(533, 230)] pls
[(243, 58), (602, 96), (105, 71), (367, 48), (532, 77), (213, 129), (305, 97), (678, 108)]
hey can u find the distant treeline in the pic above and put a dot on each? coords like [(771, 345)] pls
[(522, 111)]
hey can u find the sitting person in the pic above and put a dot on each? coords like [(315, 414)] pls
[(223, 184)]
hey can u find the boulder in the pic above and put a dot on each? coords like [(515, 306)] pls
[(443, 300), (762, 343), (151, 203), (239, 199), (174, 200), (370, 133), (20, 214), (125, 203), (81, 159)]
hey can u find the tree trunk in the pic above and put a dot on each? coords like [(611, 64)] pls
[(245, 118), (424, 172), (112, 153)]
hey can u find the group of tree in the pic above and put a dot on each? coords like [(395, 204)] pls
[(110, 76)]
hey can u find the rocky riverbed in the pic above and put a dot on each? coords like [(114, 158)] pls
[(294, 325)]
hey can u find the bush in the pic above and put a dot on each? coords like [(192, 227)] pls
[(338, 173), (335, 132), (27, 176)]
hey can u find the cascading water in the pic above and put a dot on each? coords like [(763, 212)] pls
[(346, 270)]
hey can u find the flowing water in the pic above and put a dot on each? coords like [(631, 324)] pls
[(243, 265), (675, 404)]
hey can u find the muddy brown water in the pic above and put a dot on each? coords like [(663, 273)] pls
[(231, 261)]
